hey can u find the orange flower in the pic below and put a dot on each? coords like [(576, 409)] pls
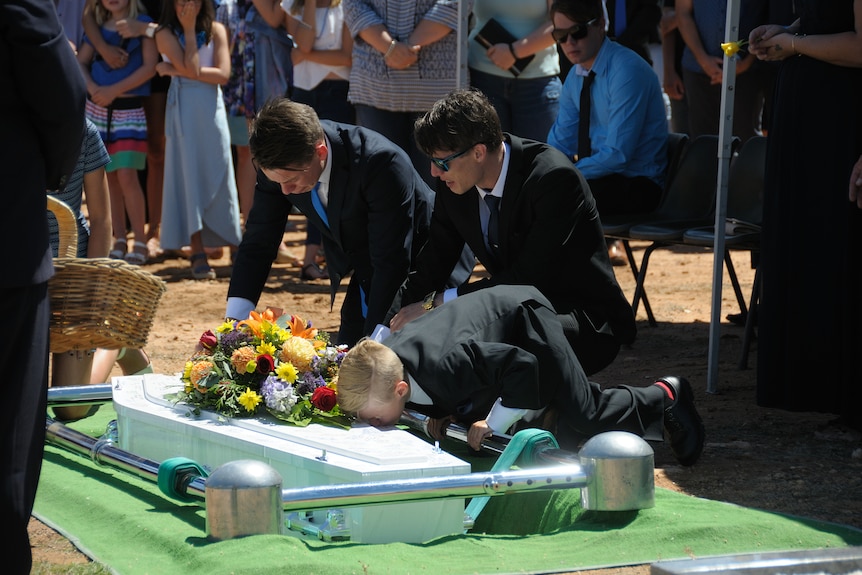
[(200, 370), (298, 328), (256, 321)]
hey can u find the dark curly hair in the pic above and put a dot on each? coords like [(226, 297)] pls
[(462, 119)]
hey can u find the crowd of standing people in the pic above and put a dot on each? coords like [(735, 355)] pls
[(206, 124)]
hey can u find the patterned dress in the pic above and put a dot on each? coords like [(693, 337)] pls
[(123, 124), (260, 65)]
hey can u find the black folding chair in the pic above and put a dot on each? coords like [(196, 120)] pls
[(617, 227)]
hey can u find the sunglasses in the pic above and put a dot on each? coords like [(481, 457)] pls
[(443, 163), (576, 32)]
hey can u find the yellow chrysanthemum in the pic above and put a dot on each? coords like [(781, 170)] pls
[(299, 352), (249, 399), (286, 372), (241, 358), (226, 327), (266, 348)]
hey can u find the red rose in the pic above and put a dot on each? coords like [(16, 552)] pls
[(265, 363), (209, 340), (324, 399)]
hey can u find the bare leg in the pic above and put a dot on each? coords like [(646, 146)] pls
[(154, 107), (131, 362), (133, 198), (118, 216), (245, 180), (71, 369), (103, 365)]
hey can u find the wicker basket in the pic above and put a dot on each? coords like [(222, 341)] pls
[(98, 302)]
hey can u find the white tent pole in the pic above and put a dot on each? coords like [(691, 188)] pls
[(725, 141)]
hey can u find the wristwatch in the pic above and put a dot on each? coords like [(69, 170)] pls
[(150, 32), (428, 302)]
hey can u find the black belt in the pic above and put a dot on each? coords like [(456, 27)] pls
[(121, 104)]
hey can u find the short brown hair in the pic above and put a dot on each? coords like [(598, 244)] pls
[(577, 10), (369, 370), (462, 119), (284, 134)]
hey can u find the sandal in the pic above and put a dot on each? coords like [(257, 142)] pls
[(313, 272), (138, 255), (119, 251), (201, 271)]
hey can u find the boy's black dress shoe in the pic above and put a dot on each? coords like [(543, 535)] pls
[(682, 424)]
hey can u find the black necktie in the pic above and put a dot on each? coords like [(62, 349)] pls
[(584, 118), (494, 221)]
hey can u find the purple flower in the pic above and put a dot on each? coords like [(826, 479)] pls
[(308, 382), (278, 395), (233, 340)]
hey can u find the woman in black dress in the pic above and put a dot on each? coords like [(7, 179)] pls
[(810, 317)]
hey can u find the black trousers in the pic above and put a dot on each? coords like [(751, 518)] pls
[(591, 338), (24, 365), (616, 194)]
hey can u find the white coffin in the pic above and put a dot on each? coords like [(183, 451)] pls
[(154, 428)]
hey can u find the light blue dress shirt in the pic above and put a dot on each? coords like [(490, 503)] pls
[(628, 126)]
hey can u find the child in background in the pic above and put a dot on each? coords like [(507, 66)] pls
[(199, 204), (115, 107), (260, 69), (89, 182)]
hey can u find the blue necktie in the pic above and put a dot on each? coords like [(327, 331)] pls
[(620, 18), (318, 205), (493, 222)]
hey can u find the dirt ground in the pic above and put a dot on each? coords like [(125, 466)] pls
[(794, 463)]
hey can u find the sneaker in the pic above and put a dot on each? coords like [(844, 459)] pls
[(682, 424)]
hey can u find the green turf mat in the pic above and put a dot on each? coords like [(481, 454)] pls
[(126, 523)]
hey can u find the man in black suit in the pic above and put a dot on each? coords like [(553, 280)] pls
[(498, 355), (41, 129), (548, 232), (356, 186)]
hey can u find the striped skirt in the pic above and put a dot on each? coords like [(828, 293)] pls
[(123, 128)]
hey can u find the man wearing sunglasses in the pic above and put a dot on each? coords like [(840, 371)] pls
[(361, 190), (619, 142), (548, 230)]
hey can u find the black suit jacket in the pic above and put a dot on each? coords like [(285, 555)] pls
[(503, 342), (550, 237), (506, 342), (379, 211), (41, 130)]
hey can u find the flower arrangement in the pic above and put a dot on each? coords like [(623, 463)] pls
[(267, 363)]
